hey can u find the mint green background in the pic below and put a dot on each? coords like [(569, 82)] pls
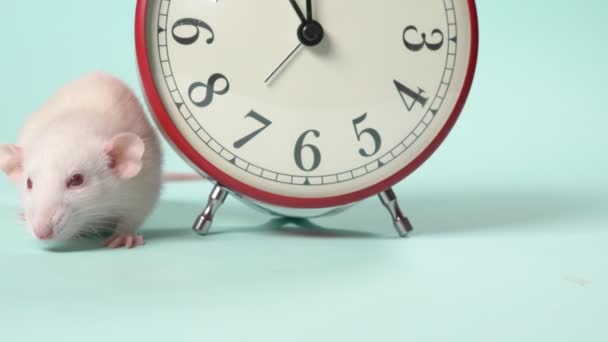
[(511, 213)]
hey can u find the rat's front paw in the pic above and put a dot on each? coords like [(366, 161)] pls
[(119, 240)]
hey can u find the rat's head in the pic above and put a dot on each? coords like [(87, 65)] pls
[(67, 183)]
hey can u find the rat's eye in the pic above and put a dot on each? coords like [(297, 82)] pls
[(75, 180), (30, 185)]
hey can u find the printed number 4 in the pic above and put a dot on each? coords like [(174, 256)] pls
[(410, 97)]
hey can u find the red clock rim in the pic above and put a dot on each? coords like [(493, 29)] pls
[(164, 120)]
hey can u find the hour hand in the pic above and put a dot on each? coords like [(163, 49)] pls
[(310, 32), (296, 7)]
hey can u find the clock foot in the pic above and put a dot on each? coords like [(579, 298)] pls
[(401, 222), (205, 220)]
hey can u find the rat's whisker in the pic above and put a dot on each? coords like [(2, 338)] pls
[(96, 211), (91, 205), (93, 231), (102, 224), (86, 231)]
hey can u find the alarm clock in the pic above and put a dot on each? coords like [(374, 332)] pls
[(304, 107)]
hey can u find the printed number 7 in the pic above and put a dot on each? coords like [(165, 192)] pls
[(242, 142)]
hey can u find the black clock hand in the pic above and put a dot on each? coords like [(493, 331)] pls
[(298, 10), (282, 63), (310, 32), (309, 10)]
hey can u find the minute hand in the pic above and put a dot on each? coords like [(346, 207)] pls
[(309, 10)]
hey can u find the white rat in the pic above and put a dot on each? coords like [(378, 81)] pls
[(87, 159)]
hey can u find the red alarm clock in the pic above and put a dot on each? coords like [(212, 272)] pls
[(303, 107)]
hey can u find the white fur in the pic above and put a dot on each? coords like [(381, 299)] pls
[(68, 135)]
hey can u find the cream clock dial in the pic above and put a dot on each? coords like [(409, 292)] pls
[(308, 99)]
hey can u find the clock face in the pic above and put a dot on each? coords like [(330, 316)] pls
[(306, 108)]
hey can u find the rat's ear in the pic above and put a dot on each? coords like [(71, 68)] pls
[(125, 151), (11, 161)]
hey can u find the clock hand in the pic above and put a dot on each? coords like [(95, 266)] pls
[(295, 6), (309, 10), (282, 63), (310, 32), (308, 17)]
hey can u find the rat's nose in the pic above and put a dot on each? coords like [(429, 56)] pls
[(43, 232), (45, 222)]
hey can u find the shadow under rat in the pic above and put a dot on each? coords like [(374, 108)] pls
[(432, 213)]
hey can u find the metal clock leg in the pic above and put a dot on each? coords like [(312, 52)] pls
[(402, 224), (205, 220)]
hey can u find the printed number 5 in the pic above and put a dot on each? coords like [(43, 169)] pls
[(369, 131)]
